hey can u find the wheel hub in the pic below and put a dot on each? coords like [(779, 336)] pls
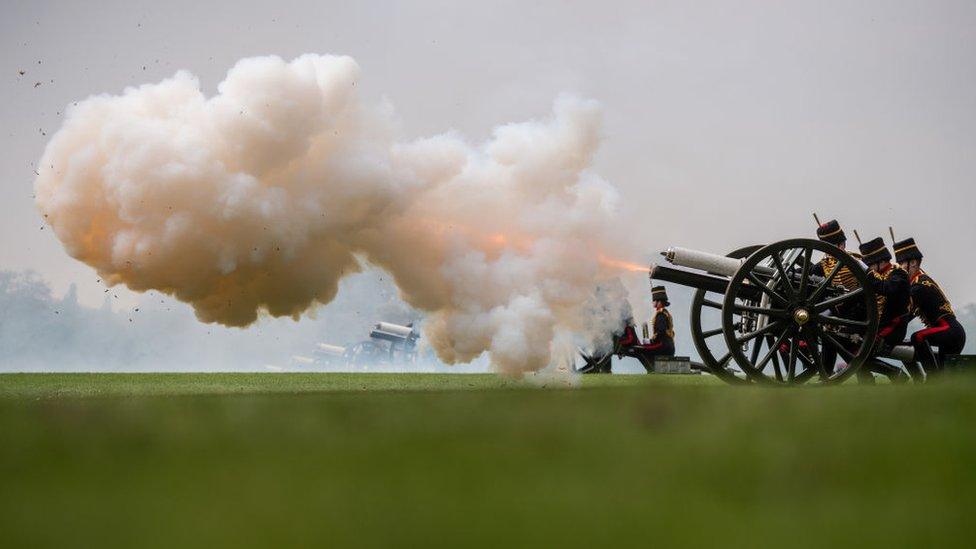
[(801, 316)]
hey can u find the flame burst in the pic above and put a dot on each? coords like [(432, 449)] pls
[(622, 265)]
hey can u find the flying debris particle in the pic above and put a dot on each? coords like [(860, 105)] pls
[(22, 72), (36, 84)]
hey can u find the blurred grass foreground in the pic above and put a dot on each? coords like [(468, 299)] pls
[(249, 460)]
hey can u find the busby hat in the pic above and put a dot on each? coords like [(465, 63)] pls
[(831, 232), (874, 251), (906, 250), (658, 293)]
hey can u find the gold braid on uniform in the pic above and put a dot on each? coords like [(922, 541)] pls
[(844, 276), (946, 307), (670, 322)]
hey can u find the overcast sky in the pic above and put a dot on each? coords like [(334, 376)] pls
[(726, 123)]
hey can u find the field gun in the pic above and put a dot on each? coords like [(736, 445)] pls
[(768, 314)]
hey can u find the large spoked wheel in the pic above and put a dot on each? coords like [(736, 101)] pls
[(798, 320), (707, 329)]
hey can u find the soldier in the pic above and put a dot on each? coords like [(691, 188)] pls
[(832, 233), (930, 304), (662, 342), (892, 289)]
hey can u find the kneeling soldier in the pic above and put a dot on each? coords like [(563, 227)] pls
[(832, 233), (893, 292), (930, 304)]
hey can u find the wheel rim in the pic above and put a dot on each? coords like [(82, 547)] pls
[(715, 362), (795, 316)]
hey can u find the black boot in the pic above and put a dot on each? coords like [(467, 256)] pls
[(924, 354)]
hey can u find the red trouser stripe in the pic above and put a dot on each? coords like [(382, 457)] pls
[(921, 335)]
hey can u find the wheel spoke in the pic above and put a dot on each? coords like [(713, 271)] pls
[(773, 313), (776, 367), (841, 350), (712, 304), (839, 321), (805, 376), (778, 261), (791, 362), (824, 305), (773, 349), (711, 333), (764, 330), (825, 283), (766, 290), (756, 347), (807, 257), (812, 346)]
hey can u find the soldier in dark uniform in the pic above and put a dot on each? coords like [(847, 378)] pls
[(662, 340), (893, 292), (930, 304), (832, 233)]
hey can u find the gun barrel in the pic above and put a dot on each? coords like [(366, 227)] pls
[(710, 263), (698, 281)]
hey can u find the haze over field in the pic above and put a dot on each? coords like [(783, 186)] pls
[(720, 127)]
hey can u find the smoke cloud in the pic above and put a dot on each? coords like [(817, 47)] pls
[(258, 200)]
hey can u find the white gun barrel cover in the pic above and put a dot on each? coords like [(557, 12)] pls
[(389, 327), (703, 261), (334, 350)]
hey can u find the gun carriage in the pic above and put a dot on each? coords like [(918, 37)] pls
[(793, 312), (767, 314)]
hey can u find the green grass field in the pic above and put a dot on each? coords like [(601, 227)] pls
[(171, 460)]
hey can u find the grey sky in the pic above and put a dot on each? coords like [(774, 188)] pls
[(726, 123)]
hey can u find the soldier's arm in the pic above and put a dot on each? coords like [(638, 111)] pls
[(896, 283), (926, 300)]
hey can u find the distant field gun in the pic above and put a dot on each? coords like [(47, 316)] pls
[(331, 355), (778, 313), (388, 343)]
